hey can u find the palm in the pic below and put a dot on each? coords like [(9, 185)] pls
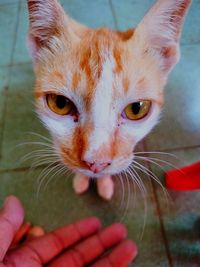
[(52, 249)]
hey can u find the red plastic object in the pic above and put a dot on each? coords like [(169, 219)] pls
[(187, 178)]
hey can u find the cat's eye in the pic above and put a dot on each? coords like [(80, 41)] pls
[(59, 104), (137, 110)]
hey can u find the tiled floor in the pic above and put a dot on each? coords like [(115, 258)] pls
[(171, 236)]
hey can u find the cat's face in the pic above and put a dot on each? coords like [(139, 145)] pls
[(99, 92)]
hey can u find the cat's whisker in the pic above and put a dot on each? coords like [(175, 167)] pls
[(157, 152), (129, 195), (150, 174), (137, 180), (153, 160), (123, 190), (63, 169), (37, 152), (145, 202), (41, 178), (40, 136), (38, 163), (36, 143)]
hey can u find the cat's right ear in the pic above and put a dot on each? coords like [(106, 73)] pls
[(45, 20), (48, 24)]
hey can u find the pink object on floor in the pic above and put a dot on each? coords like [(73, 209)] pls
[(186, 178)]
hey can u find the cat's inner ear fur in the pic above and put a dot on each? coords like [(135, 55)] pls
[(48, 23), (159, 32)]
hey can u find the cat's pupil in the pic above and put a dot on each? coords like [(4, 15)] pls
[(136, 107), (61, 102)]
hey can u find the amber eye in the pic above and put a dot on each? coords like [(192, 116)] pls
[(59, 104), (137, 110)]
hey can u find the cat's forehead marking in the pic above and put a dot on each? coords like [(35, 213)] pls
[(93, 53)]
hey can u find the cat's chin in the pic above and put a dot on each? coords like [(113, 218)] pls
[(92, 174), (99, 175)]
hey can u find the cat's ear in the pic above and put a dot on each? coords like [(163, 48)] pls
[(159, 32), (48, 23)]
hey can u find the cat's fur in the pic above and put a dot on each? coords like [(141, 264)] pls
[(101, 71)]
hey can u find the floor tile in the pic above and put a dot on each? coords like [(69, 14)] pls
[(6, 2), (180, 125), (20, 118), (8, 20), (89, 12), (182, 219), (129, 13), (58, 205), (3, 83), (21, 53)]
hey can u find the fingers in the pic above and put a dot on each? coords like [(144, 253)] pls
[(91, 248), (121, 256), (11, 218), (48, 247)]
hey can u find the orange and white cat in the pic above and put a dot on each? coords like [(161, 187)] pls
[(99, 91)]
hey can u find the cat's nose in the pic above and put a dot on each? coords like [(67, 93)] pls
[(97, 167)]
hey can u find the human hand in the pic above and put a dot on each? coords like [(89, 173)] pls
[(75, 245)]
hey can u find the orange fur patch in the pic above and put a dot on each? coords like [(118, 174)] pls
[(75, 80), (58, 75), (118, 60), (126, 84), (125, 36)]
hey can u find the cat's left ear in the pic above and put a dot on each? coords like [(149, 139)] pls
[(159, 32)]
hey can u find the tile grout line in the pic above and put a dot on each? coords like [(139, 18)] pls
[(113, 13), (179, 148), (21, 169), (162, 227), (5, 91)]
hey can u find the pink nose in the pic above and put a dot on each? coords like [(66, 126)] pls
[(97, 167)]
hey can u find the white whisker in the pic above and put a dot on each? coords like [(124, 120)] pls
[(150, 174), (123, 192), (136, 178)]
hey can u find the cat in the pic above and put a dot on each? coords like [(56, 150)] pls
[(100, 91)]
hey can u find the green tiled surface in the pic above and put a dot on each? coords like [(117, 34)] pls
[(182, 219), (8, 20), (130, 12), (21, 51), (171, 234), (79, 10), (6, 2), (3, 83), (180, 123), (20, 118)]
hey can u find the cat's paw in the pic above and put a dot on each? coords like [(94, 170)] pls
[(80, 183), (105, 187)]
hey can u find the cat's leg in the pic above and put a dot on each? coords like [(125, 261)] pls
[(80, 183), (105, 187)]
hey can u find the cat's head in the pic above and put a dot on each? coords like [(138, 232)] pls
[(100, 91)]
